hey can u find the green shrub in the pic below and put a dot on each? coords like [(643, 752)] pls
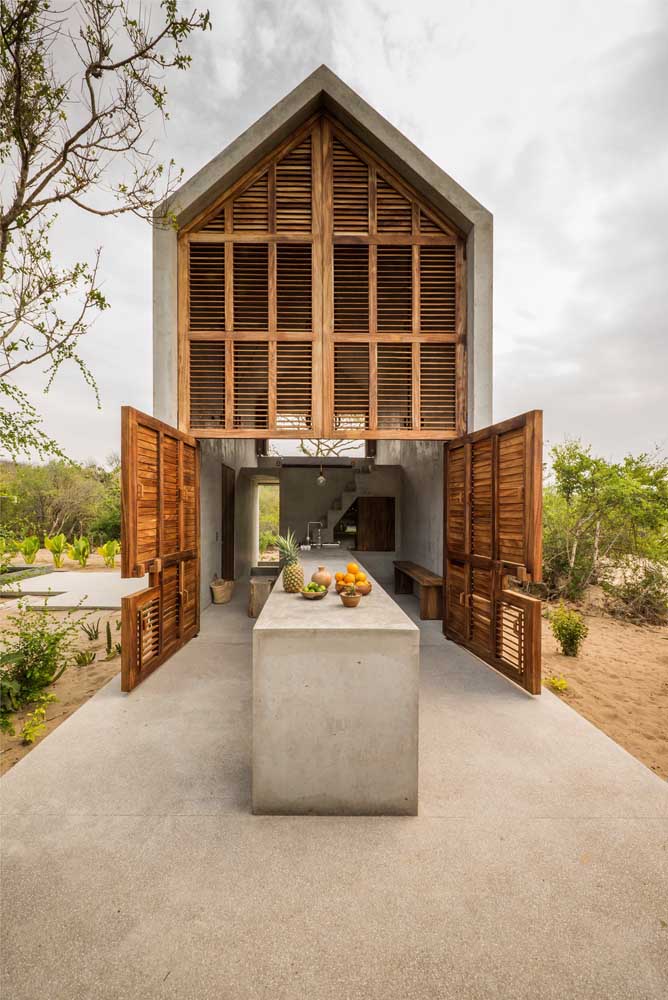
[(79, 550), (558, 683), (37, 651), (29, 547), (7, 552), (84, 657), (569, 629), (91, 630), (109, 551), (57, 546), (267, 538), (641, 595), (34, 725)]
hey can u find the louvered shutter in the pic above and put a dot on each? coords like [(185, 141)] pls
[(492, 518), (160, 535)]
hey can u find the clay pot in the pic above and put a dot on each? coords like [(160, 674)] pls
[(350, 600), (322, 576), (364, 588)]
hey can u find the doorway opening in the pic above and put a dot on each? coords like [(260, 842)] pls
[(268, 520)]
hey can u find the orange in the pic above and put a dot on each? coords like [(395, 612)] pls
[(360, 577), (353, 568), (349, 578), (339, 576)]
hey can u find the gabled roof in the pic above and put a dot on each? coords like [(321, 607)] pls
[(324, 90)]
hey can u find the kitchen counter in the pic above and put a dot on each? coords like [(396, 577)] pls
[(335, 702)]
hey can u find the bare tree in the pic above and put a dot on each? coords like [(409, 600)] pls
[(326, 448), (77, 136)]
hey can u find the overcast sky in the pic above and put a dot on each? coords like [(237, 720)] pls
[(551, 113)]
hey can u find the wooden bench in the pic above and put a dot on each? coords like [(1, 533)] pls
[(430, 587)]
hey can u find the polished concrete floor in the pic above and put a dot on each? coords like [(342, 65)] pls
[(132, 867)]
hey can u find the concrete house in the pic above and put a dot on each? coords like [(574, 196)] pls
[(324, 279)]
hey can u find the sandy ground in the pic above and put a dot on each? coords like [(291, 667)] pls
[(620, 683), (75, 686)]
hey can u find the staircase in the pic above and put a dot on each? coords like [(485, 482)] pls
[(359, 485)]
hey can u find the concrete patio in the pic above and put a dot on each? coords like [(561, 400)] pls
[(536, 869)]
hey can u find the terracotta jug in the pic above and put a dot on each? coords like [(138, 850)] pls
[(322, 576)]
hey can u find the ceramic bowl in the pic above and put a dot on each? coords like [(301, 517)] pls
[(313, 595)]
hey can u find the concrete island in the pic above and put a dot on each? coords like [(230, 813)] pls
[(335, 702)]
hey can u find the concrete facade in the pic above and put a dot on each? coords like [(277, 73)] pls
[(421, 536), (335, 704)]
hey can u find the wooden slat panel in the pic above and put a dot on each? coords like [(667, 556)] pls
[(510, 488), (251, 209), (251, 286), (429, 225), (481, 499), (215, 224), (207, 383), (160, 534), (294, 389), (438, 289), (455, 590), (394, 213), (395, 288), (293, 190), (251, 384), (438, 403), (294, 286), (351, 289), (351, 386), (351, 190), (395, 393), (206, 277), (496, 534)]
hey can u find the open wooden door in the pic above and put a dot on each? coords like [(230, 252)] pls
[(159, 536), (492, 531)]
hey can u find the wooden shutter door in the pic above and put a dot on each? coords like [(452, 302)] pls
[(492, 532), (159, 536), (375, 524)]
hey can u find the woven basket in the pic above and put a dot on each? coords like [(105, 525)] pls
[(221, 591)]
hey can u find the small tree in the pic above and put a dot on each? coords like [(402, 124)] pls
[(75, 138)]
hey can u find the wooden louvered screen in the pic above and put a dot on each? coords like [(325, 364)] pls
[(159, 536), (492, 533), (322, 246)]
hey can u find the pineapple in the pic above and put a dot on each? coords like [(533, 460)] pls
[(293, 572)]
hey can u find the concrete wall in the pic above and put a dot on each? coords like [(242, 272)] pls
[(303, 500), (421, 535), (214, 454)]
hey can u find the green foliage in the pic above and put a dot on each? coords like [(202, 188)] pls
[(596, 513), (7, 552), (267, 539), (29, 547), (640, 595), (57, 546), (63, 497), (91, 630), (288, 547), (37, 650), (569, 629), (109, 551), (34, 725), (83, 657), (79, 550), (558, 683)]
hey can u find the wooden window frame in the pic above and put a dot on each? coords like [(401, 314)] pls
[(323, 128)]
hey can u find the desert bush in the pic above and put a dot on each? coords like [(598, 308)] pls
[(558, 683), (7, 552), (34, 725), (79, 550), (640, 595), (569, 629), (84, 657), (57, 546), (29, 547), (91, 630), (37, 650)]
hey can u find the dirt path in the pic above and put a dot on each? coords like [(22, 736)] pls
[(620, 683)]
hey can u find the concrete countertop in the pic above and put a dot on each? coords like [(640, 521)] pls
[(376, 611)]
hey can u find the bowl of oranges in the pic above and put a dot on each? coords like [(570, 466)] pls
[(353, 577)]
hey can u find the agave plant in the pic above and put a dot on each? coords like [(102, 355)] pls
[(79, 550), (109, 551), (29, 547), (57, 546)]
